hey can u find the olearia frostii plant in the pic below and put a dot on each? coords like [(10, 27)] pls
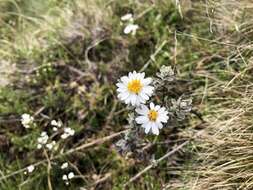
[(137, 91)]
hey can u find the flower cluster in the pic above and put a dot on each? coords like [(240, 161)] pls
[(136, 90), (130, 27), (43, 141), (67, 177), (67, 132), (27, 120), (56, 125)]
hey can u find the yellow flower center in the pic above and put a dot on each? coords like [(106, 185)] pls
[(152, 115), (134, 86)]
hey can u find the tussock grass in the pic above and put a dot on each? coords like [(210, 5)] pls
[(223, 157)]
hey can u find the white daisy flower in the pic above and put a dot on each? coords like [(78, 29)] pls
[(131, 28), (152, 118), (134, 89)]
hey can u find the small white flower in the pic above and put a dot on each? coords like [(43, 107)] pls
[(26, 120), (134, 89), (55, 129), (71, 175), (64, 136), (56, 123), (64, 165), (50, 145), (43, 134), (128, 16), (131, 28), (67, 132), (30, 168), (43, 138), (65, 177), (152, 118)]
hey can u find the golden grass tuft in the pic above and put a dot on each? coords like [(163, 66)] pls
[(224, 159)]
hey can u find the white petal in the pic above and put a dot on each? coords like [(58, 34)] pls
[(124, 79), (155, 129), (124, 95), (142, 100), (138, 101), (147, 127), (148, 90), (124, 89), (141, 119), (120, 85), (142, 75), (142, 110), (152, 106), (133, 99), (147, 81), (162, 110), (159, 125), (130, 76), (127, 101), (157, 107), (162, 119), (144, 96)]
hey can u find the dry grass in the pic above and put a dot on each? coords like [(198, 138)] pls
[(223, 159)]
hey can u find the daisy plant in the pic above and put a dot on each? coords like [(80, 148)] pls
[(146, 117), (136, 90)]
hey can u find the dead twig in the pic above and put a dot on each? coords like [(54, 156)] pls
[(154, 164), (48, 170), (101, 180)]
